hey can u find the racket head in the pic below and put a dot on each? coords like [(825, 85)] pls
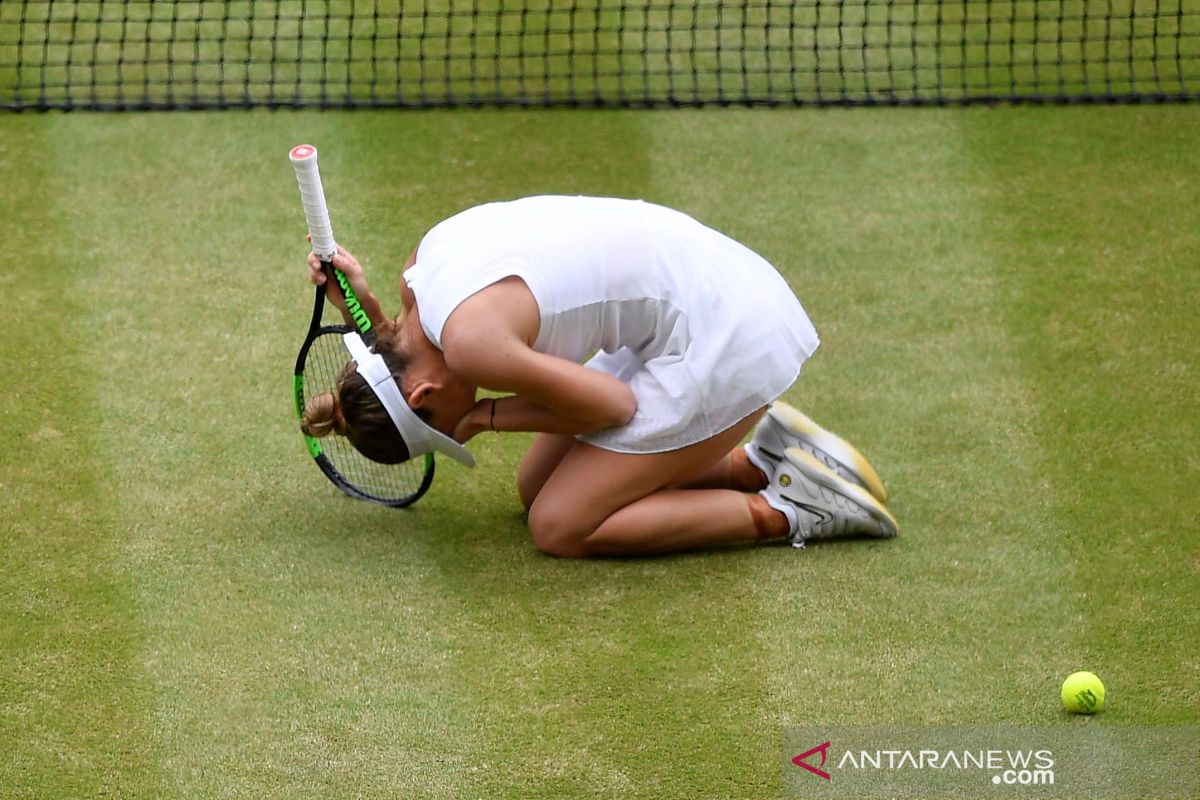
[(394, 485)]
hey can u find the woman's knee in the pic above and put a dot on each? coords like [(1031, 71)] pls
[(556, 531)]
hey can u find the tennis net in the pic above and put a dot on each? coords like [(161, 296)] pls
[(156, 54)]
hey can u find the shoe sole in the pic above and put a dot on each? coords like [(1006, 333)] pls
[(838, 448), (823, 476)]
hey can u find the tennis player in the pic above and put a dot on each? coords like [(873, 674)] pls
[(641, 346)]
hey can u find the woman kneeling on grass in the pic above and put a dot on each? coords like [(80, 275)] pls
[(642, 347)]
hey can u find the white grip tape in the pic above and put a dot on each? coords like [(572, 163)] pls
[(304, 159)]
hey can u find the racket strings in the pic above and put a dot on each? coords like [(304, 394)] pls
[(387, 482)]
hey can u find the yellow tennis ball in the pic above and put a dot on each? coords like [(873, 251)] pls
[(1083, 693)]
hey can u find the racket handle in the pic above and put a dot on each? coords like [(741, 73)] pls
[(304, 160)]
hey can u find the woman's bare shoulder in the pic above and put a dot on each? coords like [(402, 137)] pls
[(494, 319)]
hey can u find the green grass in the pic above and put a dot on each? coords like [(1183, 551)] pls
[(1007, 305)]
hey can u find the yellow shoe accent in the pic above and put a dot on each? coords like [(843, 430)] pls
[(835, 452)]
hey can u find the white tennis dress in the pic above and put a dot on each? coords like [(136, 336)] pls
[(703, 329)]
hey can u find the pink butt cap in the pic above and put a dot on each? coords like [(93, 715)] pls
[(301, 151)]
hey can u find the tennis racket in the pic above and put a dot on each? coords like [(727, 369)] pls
[(322, 357)]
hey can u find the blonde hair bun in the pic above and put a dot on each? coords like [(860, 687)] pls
[(322, 416)]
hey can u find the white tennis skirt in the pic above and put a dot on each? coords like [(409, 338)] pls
[(739, 350)]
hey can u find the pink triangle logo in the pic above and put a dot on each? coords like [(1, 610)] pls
[(799, 761)]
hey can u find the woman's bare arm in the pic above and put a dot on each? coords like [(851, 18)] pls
[(357, 279), (487, 341)]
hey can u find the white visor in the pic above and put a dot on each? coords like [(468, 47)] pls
[(419, 437)]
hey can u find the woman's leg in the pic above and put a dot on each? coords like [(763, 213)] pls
[(541, 459), (598, 502), (733, 471)]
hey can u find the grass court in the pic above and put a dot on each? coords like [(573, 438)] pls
[(1007, 302)]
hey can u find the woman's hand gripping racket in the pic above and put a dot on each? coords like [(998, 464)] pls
[(322, 357)]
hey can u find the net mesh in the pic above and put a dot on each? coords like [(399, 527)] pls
[(138, 54)]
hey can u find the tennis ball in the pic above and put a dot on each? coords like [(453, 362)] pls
[(1083, 693)]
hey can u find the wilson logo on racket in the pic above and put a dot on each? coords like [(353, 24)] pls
[(361, 320)]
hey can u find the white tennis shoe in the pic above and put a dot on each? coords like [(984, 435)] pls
[(820, 504), (784, 427)]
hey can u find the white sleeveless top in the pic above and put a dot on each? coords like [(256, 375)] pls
[(703, 329)]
